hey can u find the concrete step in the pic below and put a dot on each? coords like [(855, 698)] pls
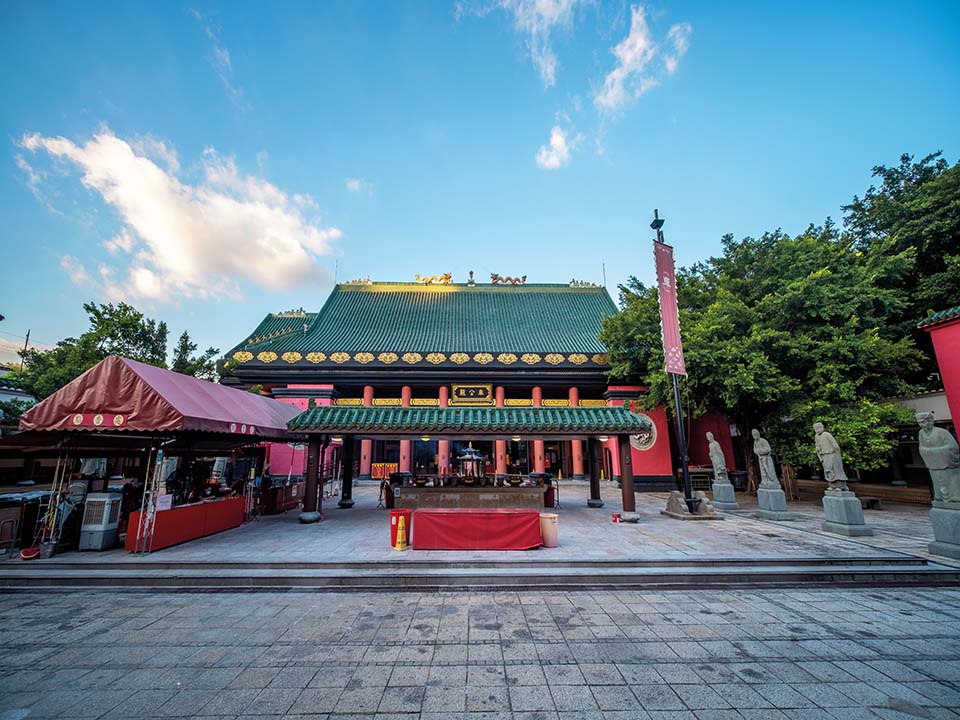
[(408, 561), (399, 576)]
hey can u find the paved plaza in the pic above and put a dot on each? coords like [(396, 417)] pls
[(701, 655), (361, 534)]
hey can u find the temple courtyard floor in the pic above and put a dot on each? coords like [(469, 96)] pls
[(839, 653), (350, 548)]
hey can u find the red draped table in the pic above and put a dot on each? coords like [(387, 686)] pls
[(476, 529)]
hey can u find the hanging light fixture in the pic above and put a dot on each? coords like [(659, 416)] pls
[(426, 438), (516, 438), (337, 438), (602, 438)]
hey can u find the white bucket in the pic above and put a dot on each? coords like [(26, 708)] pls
[(548, 529)]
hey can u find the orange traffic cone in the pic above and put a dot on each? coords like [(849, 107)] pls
[(401, 534)]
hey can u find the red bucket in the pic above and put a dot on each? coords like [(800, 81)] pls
[(615, 518)]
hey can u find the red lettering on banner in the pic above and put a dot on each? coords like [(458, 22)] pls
[(669, 313)]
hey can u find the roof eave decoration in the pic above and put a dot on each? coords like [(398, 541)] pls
[(941, 317), (425, 359), (514, 420)]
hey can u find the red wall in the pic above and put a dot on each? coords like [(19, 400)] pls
[(657, 460), (719, 424), (284, 459), (946, 344)]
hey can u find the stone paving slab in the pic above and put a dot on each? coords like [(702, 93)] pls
[(611, 655), (361, 535)]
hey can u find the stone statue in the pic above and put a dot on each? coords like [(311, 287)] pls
[(829, 453), (717, 459), (941, 455), (768, 473), (724, 497)]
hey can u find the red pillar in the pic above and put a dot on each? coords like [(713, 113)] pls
[(626, 475), (576, 446), (538, 450), (405, 445), (366, 446), (443, 446), (501, 445), (611, 445)]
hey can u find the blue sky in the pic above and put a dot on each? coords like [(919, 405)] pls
[(212, 162)]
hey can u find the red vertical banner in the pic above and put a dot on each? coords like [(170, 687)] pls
[(669, 314)]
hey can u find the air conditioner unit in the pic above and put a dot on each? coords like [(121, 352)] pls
[(101, 515)]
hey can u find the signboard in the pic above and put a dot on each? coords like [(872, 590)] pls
[(669, 314), (164, 502), (472, 395)]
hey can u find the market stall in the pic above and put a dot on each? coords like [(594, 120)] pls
[(120, 408)]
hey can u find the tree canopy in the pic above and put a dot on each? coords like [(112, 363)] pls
[(115, 329), (202, 366), (782, 331)]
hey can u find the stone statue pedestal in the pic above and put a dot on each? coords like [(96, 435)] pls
[(844, 514), (945, 518), (678, 510), (773, 504), (724, 496)]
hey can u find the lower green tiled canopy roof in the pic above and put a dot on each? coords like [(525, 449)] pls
[(940, 317), (514, 420)]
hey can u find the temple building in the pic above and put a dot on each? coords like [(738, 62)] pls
[(377, 351)]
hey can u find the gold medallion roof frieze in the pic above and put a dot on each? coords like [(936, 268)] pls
[(504, 359)]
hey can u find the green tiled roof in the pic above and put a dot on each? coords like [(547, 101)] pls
[(9, 383), (942, 316), (277, 327), (352, 419), (439, 324)]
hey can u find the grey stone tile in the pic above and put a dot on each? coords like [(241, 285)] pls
[(782, 696), (359, 700), (444, 699), (313, 701), (401, 699), (272, 701), (573, 698), (615, 697), (524, 675), (530, 698), (489, 698), (228, 703), (447, 676), (657, 697), (486, 675), (700, 697), (563, 675)]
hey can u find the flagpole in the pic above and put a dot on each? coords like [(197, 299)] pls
[(691, 501)]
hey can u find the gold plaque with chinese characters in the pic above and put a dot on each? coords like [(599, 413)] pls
[(475, 395)]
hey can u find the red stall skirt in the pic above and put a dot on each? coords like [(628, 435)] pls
[(188, 522), (476, 529)]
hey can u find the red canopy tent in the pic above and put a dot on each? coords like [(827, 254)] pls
[(118, 394)]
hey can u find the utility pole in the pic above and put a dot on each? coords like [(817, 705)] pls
[(26, 342)]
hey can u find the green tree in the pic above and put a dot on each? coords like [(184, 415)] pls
[(11, 410), (202, 366), (114, 330), (779, 332), (916, 207)]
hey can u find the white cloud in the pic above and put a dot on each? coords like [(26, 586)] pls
[(536, 20), (190, 240), (121, 242), (75, 270), (632, 76), (359, 185), (678, 38), (557, 153), (34, 178), (221, 62)]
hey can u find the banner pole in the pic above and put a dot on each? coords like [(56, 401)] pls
[(682, 442)]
